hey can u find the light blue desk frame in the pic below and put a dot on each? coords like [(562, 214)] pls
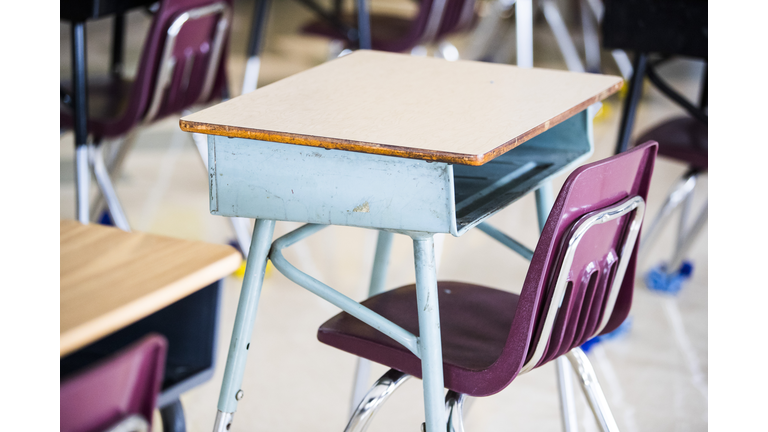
[(271, 181)]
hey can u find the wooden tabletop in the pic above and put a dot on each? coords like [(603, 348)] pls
[(415, 107), (111, 278)]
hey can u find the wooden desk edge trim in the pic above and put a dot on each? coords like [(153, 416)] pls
[(91, 331), (388, 150)]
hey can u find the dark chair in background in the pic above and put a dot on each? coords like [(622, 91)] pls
[(579, 285), (182, 64), (116, 394), (434, 20), (656, 31)]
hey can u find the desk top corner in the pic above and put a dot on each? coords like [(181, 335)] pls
[(110, 278)]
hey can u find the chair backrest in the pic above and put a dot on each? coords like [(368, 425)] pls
[(184, 59), (580, 254), (121, 388)]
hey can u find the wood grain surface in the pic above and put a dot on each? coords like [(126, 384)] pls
[(111, 278), (461, 112)]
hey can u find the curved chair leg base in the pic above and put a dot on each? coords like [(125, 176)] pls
[(373, 400), (595, 396), (454, 411), (173, 417)]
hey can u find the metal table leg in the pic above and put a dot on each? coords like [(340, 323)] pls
[(524, 32), (80, 100), (258, 30), (246, 315), (429, 332), (378, 279)]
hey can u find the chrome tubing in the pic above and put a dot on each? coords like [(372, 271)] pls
[(677, 195), (567, 401), (586, 222), (372, 401), (454, 411), (592, 390), (107, 190), (223, 421)]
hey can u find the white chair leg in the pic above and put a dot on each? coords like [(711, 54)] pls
[(595, 396), (105, 184)]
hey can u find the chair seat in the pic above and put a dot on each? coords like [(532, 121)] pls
[(475, 322), (683, 139), (388, 33), (108, 100)]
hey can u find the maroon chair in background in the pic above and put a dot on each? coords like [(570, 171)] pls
[(182, 64), (579, 285), (434, 20), (119, 393)]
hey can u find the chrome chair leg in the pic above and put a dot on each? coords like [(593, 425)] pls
[(677, 195), (592, 390), (567, 399), (372, 401), (454, 411), (105, 184), (686, 239)]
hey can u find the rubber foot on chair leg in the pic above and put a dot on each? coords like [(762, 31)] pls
[(660, 280)]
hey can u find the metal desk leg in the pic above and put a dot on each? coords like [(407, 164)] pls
[(524, 32), (80, 99), (378, 279), (246, 315), (173, 417), (429, 333), (364, 25), (544, 201), (258, 30)]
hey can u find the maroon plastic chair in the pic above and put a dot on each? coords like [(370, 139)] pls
[(579, 285), (397, 34), (118, 393), (183, 63)]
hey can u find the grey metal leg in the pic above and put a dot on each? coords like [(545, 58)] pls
[(562, 36), (524, 32), (567, 400), (591, 38), (454, 410), (690, 236), (544, 201), (591, 387), (677, 195), (378, 280), (429, 332), (114, 161), (83, 182), (105, 184), (373, 399), (243, 328), (258, 30), (173, 417)]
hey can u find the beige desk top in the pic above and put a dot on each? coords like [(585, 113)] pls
[(111, 278), (415, 107)]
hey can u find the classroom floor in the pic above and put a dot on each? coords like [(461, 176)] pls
[(655, 375)]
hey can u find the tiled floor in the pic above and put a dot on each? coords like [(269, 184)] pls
[(655, 376)]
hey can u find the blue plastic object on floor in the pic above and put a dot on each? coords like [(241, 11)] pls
[(658, 279), (106, 219), (620, 330)]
